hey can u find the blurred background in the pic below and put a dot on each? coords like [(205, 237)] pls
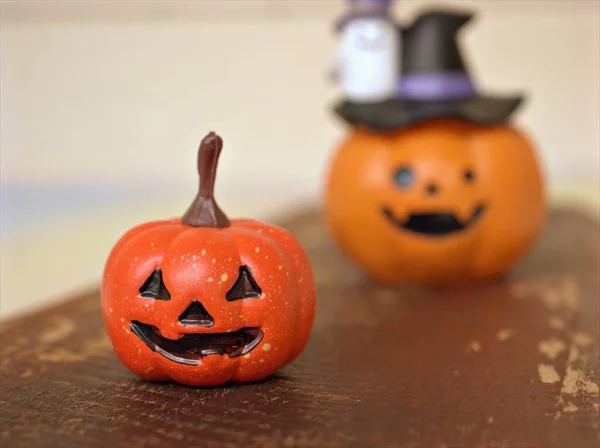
[(103, 104)]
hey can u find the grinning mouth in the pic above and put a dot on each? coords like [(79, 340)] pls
[(433, 224), (190, 348)]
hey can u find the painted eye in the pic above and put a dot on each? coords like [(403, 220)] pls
[(245, 287), (404, 177), (154, 287), (469, 176)]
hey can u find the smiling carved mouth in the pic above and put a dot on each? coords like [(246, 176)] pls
[(190, 348), (433, 224)]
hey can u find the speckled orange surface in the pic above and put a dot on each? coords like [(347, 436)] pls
[(201, 265)]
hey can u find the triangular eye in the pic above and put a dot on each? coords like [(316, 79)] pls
[(245, 287), (154, 287)]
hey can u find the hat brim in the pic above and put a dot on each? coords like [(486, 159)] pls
[(398, 113)]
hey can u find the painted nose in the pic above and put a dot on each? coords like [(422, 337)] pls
[(432, 189), (196, 316)]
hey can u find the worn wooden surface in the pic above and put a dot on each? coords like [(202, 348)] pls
[(513, 364)]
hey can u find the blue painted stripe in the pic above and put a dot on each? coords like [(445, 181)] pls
[(26, 205)]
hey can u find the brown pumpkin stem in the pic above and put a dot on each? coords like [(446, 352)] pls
[(204, 211)]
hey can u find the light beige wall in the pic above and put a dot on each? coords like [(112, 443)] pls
[(87, 86), (107, 92)]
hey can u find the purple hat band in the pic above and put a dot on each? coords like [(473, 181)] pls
[(436, 86)]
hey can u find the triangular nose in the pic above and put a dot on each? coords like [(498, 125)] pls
[(196, 315)]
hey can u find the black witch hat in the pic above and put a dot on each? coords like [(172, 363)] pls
[(435, 82)]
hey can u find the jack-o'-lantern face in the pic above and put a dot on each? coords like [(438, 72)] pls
[(192, 347), (433, 191), (442, 202)]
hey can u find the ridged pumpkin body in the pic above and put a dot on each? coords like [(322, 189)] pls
[(199, 268)]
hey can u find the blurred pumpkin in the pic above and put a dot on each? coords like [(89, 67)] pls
[(443, 201)]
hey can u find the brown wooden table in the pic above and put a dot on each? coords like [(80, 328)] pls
[(514, 364)]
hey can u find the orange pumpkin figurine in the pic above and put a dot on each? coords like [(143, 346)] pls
[(434, 186), (203, 300)]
